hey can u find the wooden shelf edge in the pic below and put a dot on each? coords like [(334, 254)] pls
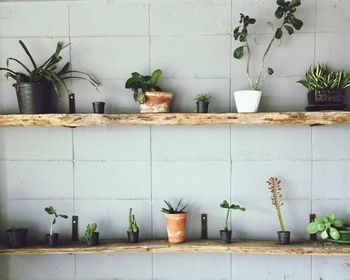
[(269, 118), (201, 246)]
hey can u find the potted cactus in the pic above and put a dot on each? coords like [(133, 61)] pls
[(226, 233), (146, 92), (274, 185), (175, 219), (133, 230), (16, 237), (91, 236), (52, 238), (202, 101)]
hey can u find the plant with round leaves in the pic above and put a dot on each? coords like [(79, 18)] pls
[(89, 232), (53, 212), (140, 84), (228, 206), (285, 12), (274, 185), (328, 225)]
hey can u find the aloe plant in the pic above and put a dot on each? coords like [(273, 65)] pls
[(226, 205), (174, 210), (276, 196), (132, 222), (48, 72), (53, 212), (327, 225)]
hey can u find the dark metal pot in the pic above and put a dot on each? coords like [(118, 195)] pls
[(94, 239), (133, 237), (225, 236), (52, 240), (326, 96), (284, 237), (202, 106), (16, 238), (99, 107), (34, 98)]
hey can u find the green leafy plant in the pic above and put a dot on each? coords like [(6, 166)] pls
[(275, 188), (203, 97), (288, 22), (132, 222), (140, 84), (328, 226), (48, 72), (89, 232), (53, 212), (172, 210), (323, 77), (226, 205)]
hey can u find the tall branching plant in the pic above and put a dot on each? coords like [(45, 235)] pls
[(288, 22), (276, 196)]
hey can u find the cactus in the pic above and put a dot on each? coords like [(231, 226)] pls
[(276, 197), (132, 222)]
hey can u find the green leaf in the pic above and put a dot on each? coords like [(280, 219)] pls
[(331, 217), (270, 71), (298, 24), (281, 3), (279, 13), (312, 228), (279, 33), (334, 233), (63, 216), (324, 234), (295, 3), (239, 52), (289, 29), (50, 210), (338, 223), (225, 204), (155, 76), (252, 21), (270, 24), (28, 53)]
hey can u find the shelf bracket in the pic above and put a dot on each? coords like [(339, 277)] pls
[(204, 219), (75, 228)]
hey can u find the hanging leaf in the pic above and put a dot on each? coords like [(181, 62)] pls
[(289, 29), (279, 33), (239, 52)]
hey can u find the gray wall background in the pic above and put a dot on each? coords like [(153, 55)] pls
[(98, 173)]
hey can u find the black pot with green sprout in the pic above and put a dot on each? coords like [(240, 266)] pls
[(52, 237), (133, 230), (91, 236), (202, 101)]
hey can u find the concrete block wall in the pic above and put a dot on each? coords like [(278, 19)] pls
[(98, 173)]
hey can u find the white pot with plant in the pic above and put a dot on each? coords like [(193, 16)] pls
[(247, 101)]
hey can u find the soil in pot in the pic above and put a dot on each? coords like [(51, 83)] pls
[(133, 237), (176, 227), (94, 239), (202, 106), (52, 240), (157, 102), (225, 236), (16, 238), (35, 98), (284, 237)]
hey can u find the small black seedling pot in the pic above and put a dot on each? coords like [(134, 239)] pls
[(94, 239), (52, 240), (284, 237), (99, 107), (16, 238), (202, 106), (133, 237), (225, 236)]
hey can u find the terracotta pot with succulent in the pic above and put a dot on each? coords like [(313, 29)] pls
[(146, 92), (16, 237), (175, 219), (248, 100), (202, 101), (226, 234), (52, 238), (331, 228), (133, 230), (327, 88), (274, 185), (36, 85), (91, 236)]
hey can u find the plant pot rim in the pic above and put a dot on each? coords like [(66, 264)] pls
[(229, 230), (133, 231), (31, 83), (178, 214), (344, 231), (248, 90), (55, 234), (157, 93), (16, 229), (202, 101), (328, 89), (283, 231)]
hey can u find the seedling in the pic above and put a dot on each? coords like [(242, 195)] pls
[(172, 210), (226, 205), (327, 225), (132, 222), (90, 230), (52, 212)]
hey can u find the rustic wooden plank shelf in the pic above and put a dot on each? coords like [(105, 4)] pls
[(271, 118), (201, 246)]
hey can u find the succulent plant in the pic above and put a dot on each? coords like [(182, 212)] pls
[(327, 225), (203, 97), (276, 196), (172, 210), (132, 222), (89, 232)]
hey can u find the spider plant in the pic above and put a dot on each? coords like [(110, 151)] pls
[(48, 72)]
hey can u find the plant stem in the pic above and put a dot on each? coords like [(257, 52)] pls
[(51, 227), (226, 222), (278, 206), (248, 64)]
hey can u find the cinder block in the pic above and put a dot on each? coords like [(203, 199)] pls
[(337, 15), (109, 18), (182, 17)]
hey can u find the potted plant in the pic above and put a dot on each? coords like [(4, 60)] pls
[(274, 185), (35, 86), (327, 88), (175, 219), (133, 230), (248, 100), (202, 101), (16, 237), (52, 238), (146, 92), (226, 234), (91, 236)]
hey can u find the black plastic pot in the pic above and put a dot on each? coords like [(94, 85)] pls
[(225, 236), (16, 238), (34, 98), (133, 237), (99, 107), (326, 96), (284, 237), (202, 106), (94, 239), (52, 240)]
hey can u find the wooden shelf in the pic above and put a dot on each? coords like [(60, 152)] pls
[(202, 246), (273, 118)]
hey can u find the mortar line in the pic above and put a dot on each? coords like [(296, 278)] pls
[(230, 127), (315, 30)]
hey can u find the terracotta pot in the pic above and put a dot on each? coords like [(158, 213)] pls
[(176, 227), (157, 102)]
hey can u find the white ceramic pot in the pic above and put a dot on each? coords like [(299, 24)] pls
[(247, 101)]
